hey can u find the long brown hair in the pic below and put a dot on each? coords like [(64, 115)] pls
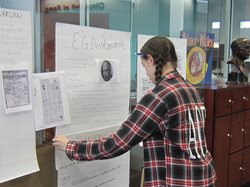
[(162, 50)]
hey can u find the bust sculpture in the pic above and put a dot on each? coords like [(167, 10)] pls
[(240, 52)]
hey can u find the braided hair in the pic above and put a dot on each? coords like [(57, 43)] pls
[(158, 68), (162, 50)]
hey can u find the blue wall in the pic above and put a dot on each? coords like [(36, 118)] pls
[(189, 12), (119, 13), (164, 17), (149, 17), (18, 4), (147, 13)]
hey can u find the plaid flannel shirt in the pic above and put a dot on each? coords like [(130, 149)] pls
[(170, 122)]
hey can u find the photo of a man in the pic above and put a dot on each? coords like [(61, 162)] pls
[(106, 70)]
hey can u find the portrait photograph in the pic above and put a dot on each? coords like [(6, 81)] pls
[(107, 70)]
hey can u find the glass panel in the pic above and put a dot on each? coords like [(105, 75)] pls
[(167, 17), (52, 11), (201, 15), (149, 17), (210, 17), (115, 15), (241, 21), (110, 14), (189, 15), (216, 25), (158, 17)]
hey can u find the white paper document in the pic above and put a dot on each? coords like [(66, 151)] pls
[(180, 45), (96, 63), (17, 134), (50, 101), (17, 146), (15, 81), (143, 82), (15, 37), (105, 173)]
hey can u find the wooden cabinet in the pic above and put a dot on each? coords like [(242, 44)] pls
[(247, 106), (221, 132), (229, 101), (247, 129), (228, 121), (235, 164), (237, 99), (223, 103), (236, 131), (239, 170), (246, 166)]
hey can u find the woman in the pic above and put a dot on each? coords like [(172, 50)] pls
[(170, 122)]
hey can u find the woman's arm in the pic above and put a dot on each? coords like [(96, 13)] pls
[(139, 125)]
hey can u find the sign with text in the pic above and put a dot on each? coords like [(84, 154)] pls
[(17, 134), (96, 65), (199, 56)]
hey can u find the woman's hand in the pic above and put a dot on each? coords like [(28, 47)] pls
[(60, 142)]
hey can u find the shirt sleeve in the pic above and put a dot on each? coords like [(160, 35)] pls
[(138, 127)]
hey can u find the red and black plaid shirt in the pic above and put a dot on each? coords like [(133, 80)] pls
[(170, 122)]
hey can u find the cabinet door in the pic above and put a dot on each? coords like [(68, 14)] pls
[(247, 105), (221, 149), (246, 166), (209, 104), (247, 129), (238, 99), (235, 169), (237, 132), (223, 100)]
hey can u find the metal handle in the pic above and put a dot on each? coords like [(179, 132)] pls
[(245, 98), (244, 130), (229, 135), (242, 169)]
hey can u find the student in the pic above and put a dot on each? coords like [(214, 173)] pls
[(169, 120)]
